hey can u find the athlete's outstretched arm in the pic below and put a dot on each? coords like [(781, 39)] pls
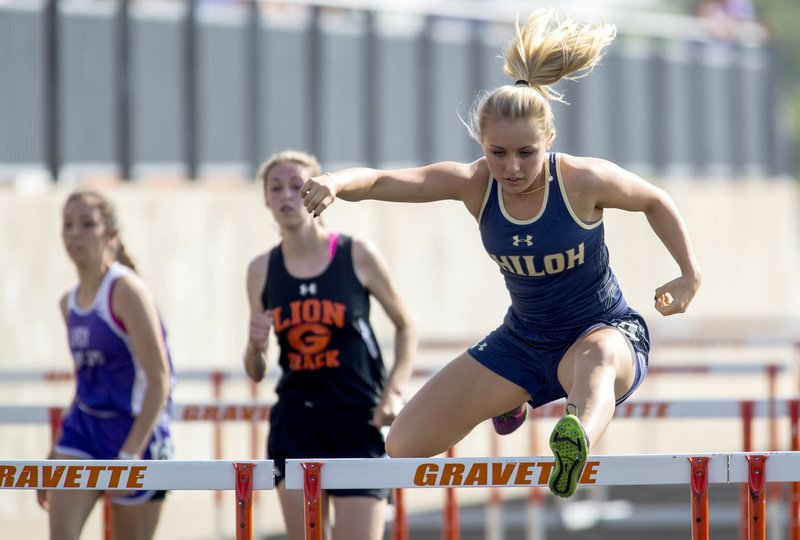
[(373, 273), (440, 181), (255, 364), (615, 187)]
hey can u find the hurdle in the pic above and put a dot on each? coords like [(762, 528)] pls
[(254, 412), (216, 412), (695, 471), (770, 370), (745, 410), (243, 477), (215, 377)]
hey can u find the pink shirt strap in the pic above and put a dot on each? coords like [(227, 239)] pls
[(333, 243), (111, 306)]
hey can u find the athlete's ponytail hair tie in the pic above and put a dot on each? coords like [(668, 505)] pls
[(522, 82)]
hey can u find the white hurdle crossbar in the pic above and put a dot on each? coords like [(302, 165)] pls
[(657, 469), (499, 472), (113, 475), (258, 411)]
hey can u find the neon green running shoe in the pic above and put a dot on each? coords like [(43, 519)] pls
[(568, 443)]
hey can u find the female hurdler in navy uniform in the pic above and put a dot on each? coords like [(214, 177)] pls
[(123, 372), (314, 290), (569, 332)]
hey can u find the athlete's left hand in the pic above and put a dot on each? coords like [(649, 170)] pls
[(386, 410), (675, 296), (318, 193)]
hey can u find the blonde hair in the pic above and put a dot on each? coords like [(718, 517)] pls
[(109, 216), (541, 53), (303, 159)]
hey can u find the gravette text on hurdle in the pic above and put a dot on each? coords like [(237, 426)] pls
[(523, 473), (72, 476), (226, 411), (132, 475), (243, 477)]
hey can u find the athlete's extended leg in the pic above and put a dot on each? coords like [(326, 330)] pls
[(459, 397), (358, 518), (136, 522), (598, 369), (69, 509)]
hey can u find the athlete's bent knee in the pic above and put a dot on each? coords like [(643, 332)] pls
[(601, 354), (399, 445), (394, 445)]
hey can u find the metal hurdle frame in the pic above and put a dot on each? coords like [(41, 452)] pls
[(203, 412), (314, 475), (255, 411), (747, 410), (114, 475), (215, 412), (697, 471)]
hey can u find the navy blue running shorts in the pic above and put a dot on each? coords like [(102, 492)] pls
[(533, 363)]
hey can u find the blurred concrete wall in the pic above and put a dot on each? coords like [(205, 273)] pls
[(193, 242)]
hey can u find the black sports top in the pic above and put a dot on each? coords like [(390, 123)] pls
[(328, 352)]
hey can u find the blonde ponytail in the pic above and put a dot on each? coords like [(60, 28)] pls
[(543, 51), (547, 49)]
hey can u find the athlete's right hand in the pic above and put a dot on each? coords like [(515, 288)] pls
[(318, 193), (260, 324)]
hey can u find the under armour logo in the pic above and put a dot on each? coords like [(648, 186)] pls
[(528, 240), (311, 288), (482, 346)]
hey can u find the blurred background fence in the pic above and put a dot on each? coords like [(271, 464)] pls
[(133, 88)]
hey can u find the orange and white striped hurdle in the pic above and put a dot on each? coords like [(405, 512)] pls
[(695, 471), (113, 475), (256, 411)]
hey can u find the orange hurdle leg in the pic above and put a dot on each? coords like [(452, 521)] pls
[(400, 529), (757, 528), (312, 499), (450, 526), (244, 500), (699, 486), (794, 502)]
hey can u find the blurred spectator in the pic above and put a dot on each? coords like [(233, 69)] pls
[(724, 17)]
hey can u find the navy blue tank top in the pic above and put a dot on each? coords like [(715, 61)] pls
[(555, 266), (328, 352)]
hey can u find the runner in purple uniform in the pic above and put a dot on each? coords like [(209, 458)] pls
[(123, 372)]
